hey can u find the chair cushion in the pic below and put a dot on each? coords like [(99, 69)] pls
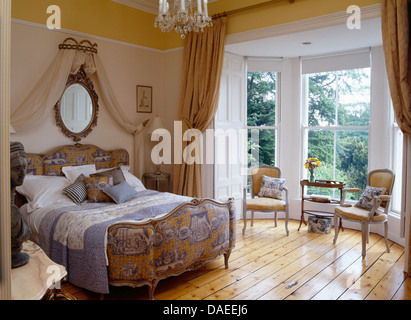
[(271, 187), (366, 200), (257, 176), (356, 213), (265, 204)]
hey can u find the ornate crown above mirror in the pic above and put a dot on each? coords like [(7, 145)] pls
[(77, 110)]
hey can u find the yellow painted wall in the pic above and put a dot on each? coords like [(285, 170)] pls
[(103, 18), (112, 20)]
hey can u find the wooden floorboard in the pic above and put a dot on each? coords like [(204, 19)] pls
[(268, 265)]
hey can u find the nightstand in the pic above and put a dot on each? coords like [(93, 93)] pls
[(159, 182), (39, 279)]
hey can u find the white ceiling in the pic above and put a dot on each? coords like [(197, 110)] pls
[(325, 40)]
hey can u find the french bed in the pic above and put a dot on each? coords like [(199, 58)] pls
[(136, 242)]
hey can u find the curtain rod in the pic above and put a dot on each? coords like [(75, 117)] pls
[(254, 6)]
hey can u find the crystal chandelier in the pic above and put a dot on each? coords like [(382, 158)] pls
[(182, 18)]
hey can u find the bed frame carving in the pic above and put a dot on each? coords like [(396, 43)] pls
[(144, 253)]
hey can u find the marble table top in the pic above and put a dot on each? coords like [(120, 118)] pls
[(31, 281)]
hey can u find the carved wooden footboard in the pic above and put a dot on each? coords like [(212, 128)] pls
[(185, 239), (143, 253)]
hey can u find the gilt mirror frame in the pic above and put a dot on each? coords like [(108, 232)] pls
[(82, 79)]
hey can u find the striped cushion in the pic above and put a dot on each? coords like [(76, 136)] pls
[(77, 192)]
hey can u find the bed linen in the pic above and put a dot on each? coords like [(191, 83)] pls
[(76, 236)]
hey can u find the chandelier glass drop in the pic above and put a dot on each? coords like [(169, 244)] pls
[(182, 18)]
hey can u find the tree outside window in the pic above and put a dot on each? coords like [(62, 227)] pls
[(262, 118), (337, 130)]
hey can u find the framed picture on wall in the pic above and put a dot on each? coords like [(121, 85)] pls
[(144, 99)]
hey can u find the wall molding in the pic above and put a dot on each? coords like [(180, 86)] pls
[(86, 35), (329, 20)]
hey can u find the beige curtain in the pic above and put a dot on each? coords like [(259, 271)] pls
[(48, 90), (396, 39), (200, 86), (395, 19)]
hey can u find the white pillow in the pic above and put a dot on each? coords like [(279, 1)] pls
[(131, 179), (43, 191), (72, 172)]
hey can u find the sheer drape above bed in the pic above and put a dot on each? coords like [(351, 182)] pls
[(50, 87)]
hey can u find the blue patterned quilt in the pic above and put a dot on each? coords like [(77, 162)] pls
[(76, 237)]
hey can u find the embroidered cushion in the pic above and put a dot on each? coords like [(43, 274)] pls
[(366, 200), (95, 188), (116, 173), (77, 192), (271, 187), (120, 192)]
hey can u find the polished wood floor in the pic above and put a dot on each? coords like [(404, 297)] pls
[(268, 265)]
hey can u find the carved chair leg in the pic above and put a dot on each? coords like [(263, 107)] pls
[(287, 217), (386, 235), (364, 230), (226, 257), (244, 220), (336, 228)]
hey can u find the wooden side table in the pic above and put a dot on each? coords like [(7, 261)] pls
[(157, 178), (39, 278), (320, 184)]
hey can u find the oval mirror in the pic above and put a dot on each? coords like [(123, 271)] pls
[(76, 111)]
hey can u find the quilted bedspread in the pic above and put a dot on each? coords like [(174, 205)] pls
[(76, 237)]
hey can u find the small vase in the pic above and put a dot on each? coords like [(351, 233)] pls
[(312, 176)]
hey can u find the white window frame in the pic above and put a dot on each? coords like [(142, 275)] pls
[(329, 63), (268, 65), (396, 166)]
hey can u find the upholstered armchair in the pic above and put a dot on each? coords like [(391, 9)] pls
[(268, 194), (372, 208)]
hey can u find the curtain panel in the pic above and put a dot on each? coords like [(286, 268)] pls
[(199, 96), (396, 40), (50, 87), (395, 21)]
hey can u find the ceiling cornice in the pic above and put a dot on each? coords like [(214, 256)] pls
[(369, 12), (150, 6)]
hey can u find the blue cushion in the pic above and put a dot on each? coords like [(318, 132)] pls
[(271, 187), (120, 192), (367, 198)]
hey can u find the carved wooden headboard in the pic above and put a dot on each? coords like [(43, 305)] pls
[(50, 164)]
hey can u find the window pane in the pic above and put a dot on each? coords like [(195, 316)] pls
[(261, 98), (354, 97), (352, 158), (321, 146), (261, 147), (322, 95)]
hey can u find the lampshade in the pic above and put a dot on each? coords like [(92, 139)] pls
[(11, 130), (156, 123)]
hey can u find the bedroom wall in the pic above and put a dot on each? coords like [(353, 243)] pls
[(33, 48)]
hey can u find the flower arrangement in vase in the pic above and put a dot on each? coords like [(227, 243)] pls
[(311, 164)]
